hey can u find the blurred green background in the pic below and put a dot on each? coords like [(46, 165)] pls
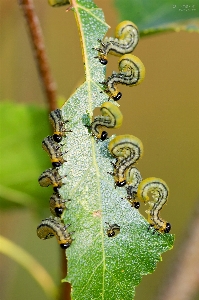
[(163, 112)]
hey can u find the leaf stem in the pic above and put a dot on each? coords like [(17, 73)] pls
[(37, 40), (65, 288)]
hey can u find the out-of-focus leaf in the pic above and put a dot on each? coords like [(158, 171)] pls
[(22, 158), (29, 263), (156, 16)]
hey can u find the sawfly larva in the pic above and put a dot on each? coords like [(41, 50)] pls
[(125, 41), (159, 192)]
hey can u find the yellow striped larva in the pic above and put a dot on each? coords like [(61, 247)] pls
[(160, 192), (58, 124), (111, 118), (132, 72), (133, 179), (54, 151), (128, 149), (57, 205), (52, 227), (112, 230), (125, 41), (50, 177), (56, 3)]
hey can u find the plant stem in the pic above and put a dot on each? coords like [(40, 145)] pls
[(37, 40), (65, 288), (49, 87)]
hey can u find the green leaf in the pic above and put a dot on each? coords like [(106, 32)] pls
[(156, 16), (100, 267), (22, 158)]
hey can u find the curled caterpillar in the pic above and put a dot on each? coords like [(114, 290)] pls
[(133, 179), (57, 205), (132, 72), (54, 151), (56, 3), (50, 177), (125, 41), (111, 118), (128, 149), (58, 124), (51, 227), (112, 230), (160, 192)]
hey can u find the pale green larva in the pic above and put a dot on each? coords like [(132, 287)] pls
[(125, 41), (51, 227), (56, 119), (133, 179), (54, 151), (160, 192), (57, 205), (128, 149), (50, 177), (111, 118), (112, 230), (132, 72)]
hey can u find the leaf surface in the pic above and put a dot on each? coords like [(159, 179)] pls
[(100, 267)]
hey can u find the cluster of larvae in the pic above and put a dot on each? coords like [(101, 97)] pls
[(127, 149), (53, 226)]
